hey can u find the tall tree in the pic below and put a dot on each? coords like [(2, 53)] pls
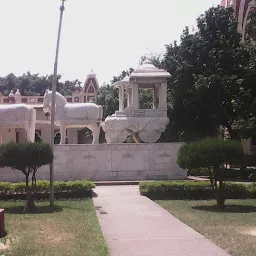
[(33, 84), (107, 96), (208, 86), (123, 74)]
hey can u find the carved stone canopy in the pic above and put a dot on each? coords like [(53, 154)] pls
[(145, 125), (148, 70), (146, 76), (125, 83)]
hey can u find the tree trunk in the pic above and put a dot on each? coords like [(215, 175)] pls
[(30, 204), (234, 135), (220, 197), (219, 190)]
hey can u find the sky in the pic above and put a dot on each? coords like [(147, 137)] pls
[(107, 36)]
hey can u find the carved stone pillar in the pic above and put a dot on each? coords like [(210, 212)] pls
[(129, 97), (135, 96), (121, 98), (156, 96), (163, 96)]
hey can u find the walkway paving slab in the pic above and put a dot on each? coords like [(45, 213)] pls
[(133, 225)]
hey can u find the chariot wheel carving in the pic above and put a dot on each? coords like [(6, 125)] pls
[(148, 136), (116, 137)]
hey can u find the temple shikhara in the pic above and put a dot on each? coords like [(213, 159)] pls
[(42, 133), (242, 8)]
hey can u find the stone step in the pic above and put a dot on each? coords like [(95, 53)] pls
[(129, 182), (116, 183)]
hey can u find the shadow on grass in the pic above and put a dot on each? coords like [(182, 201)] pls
[(228, 208), (99, 209), (40, 209), (82, 208)]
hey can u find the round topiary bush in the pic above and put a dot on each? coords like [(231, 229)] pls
[(212, 154), (26, 157)]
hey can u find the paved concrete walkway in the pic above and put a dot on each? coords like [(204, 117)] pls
[(134, 225)]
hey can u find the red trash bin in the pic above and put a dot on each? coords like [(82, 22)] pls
[(2, 230)]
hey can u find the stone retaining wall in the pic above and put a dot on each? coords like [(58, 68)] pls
[(110, 162)]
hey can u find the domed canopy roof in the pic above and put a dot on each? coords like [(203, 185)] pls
[(124, 82), (147, 69)]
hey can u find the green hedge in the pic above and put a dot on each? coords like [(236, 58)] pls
[(198, 172), (79, 188), (250, 160), (230, 174), (193, 190), (252, 189)]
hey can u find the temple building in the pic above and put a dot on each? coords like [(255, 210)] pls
[(242, 8), (42, 133)]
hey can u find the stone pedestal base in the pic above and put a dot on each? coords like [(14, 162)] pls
[(110, 162), (143, 129)]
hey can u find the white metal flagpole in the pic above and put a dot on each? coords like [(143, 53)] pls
[(54, 82)]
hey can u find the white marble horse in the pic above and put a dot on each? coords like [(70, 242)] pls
[(18, 116), (74, 115)]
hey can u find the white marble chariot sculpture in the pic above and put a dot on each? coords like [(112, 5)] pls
[(146, 125), (18, 116), (74, 115)]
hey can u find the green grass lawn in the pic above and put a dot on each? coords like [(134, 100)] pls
[(233, 230), (72, 228)]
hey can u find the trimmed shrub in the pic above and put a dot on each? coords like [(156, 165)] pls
[(64, 189), (252, 176), (250, 160), (19, 188), (243, 174), (212, 154), (73, 186), (192, 190), (238, 174), (198, 172), (42, 186), (5, 188), (26, 157), (252, 189)]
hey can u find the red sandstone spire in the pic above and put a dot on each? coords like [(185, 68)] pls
[(91, 84), (225, 3), (241, 7)]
